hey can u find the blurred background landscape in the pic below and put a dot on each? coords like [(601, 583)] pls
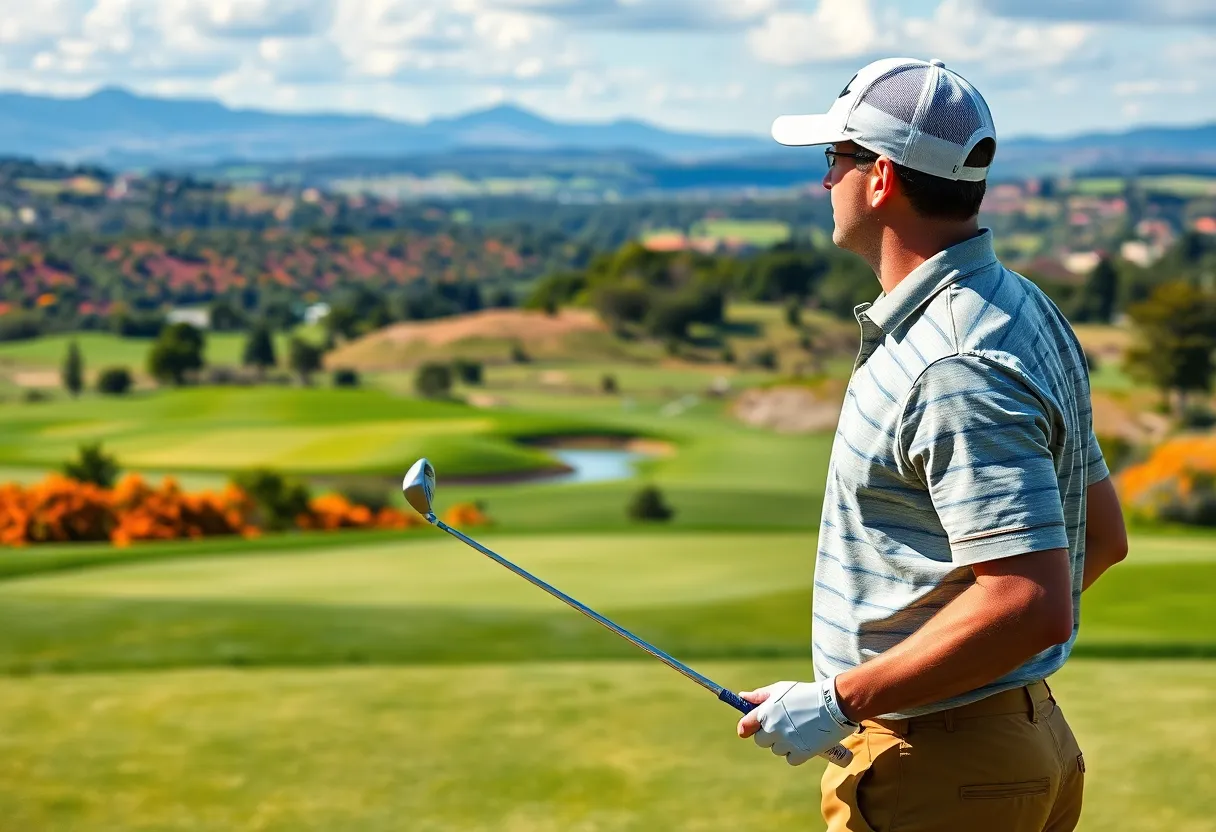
[(258, 257)]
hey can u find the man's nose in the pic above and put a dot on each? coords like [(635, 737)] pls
[(827, 180)]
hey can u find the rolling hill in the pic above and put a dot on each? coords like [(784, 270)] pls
[(118, 128)]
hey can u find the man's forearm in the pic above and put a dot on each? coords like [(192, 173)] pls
[(981, 635), (1096, 564)]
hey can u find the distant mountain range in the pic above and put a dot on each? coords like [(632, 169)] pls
[(116, 128)]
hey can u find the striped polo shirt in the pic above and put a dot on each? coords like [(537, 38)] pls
[(966, 435)]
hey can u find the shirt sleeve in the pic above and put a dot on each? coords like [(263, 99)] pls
[(979, 439), (1096, 469)]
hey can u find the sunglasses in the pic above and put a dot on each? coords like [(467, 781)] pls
[(832, 155)]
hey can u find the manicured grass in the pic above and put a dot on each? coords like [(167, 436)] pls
[(292, 429), (532, 746), (420, 599), (105, 349), (755, 232)]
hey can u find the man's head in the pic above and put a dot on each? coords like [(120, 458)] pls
[(909, 142)]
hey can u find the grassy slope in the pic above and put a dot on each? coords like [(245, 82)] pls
[(306, 430), (104, 349), (434, 600), (617, 746)]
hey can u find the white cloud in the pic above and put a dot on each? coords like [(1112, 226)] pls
[(961, 31), (958, 30), (1150, 12), (246, 18), (643, 15), (35, 22), (836, 29)]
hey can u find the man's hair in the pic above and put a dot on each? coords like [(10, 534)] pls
[(933, 197)]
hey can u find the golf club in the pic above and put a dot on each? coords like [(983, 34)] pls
[(419, 490)]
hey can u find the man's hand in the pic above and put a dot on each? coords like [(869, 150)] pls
[(794, 719)]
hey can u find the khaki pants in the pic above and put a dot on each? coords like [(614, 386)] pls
[(1008, 763)]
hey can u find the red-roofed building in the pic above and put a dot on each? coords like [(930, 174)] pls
[(1205, 225)]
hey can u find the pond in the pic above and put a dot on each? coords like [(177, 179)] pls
[(593, 464)]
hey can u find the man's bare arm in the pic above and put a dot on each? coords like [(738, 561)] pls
[(1105, 533), (1017, 607)]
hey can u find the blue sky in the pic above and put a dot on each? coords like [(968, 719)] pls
[(1046, 67)]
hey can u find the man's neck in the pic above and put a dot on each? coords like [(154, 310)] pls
[(901, 251)]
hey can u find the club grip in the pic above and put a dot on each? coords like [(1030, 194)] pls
[(837, 754), (735, 701)]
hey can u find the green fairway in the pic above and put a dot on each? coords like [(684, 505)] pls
[(755, 232), (293, 429), (104, 349), (536, 746), (431, 599)]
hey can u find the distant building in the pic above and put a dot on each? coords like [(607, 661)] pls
[(197, 318), (1205, 225), (1140, 252), (666, 242), (1156, 231), (314, 313), (1081, 262)]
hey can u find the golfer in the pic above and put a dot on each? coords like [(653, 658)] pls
[(967, 505)]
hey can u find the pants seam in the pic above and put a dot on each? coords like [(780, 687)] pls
[(1059, 764), (899, 783)]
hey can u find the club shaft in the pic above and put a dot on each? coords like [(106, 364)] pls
[(587, 611)]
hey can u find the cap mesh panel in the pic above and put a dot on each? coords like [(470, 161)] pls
[(952, 115), (898, 94)]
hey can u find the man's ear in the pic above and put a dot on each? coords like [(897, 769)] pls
[(882, 182)]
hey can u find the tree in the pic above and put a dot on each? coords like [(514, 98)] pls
[(433, 380), (92, 465), (345, 377), (114, 381), (1175, 340), (73, 370), (259, 349), (305, 359), (467, 370), (226, 316), (279, 500), (177, 350), (648, 504), (793, 313), (1098, 299)]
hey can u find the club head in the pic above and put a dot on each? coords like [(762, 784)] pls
[(419, 486)]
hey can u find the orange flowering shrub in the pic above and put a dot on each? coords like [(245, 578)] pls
[(57, 509), (463, 515), (144, 513), (1168, 475), (63, 509), (1172, 460)]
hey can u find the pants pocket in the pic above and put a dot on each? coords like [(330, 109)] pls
[(1002, 791)]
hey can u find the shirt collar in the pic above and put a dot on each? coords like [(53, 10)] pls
[(929, 278)]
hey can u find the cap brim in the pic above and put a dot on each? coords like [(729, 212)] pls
[(801, 131)]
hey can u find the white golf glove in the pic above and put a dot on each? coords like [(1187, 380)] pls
[(796, 721)]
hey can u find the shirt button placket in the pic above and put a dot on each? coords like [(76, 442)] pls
[(871, 337)]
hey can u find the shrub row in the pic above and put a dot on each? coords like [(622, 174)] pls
[(62, 509)]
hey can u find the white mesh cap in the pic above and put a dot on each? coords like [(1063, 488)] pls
[(918, 113)]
